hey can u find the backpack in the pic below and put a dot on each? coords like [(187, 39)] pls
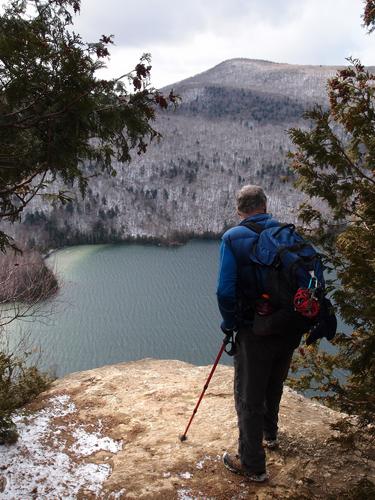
[(290, 276)]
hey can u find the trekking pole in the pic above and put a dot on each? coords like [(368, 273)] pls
[(226, 341)]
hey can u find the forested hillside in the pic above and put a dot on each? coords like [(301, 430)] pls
[(230, 129)]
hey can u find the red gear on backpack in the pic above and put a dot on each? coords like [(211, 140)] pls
[(305, 303)]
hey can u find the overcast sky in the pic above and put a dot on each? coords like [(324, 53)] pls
[(186, 37)]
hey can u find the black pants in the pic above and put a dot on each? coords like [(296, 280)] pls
[(261, 366)]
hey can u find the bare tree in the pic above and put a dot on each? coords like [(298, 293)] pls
[(25, 281)]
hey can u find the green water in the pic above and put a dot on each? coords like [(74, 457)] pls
[(126, 302)]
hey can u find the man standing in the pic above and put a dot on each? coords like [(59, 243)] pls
[(261, 363)]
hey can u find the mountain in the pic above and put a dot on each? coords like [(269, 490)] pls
[(230, 129), (298, 81)]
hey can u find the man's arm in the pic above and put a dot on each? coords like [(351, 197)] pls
[(226, 289)]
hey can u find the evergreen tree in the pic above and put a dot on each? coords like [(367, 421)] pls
[(58, 121), (55, 114), (334, 162)]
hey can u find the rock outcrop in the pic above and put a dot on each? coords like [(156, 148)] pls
[(113, 432)]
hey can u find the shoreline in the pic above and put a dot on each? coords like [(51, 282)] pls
[(138, 240)]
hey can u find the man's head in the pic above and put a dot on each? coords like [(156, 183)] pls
[(251, 200)]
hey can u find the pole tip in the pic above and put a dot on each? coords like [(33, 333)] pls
[(183, 438)]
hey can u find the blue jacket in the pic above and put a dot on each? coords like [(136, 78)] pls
[(238, 283)]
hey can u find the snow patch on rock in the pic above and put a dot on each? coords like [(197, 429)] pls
[(185, 475), (38, 464), (87, 443)]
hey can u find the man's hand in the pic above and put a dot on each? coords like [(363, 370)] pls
[(228, 331), (230, 334)]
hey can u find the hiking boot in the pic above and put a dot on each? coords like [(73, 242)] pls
[(271, 444), (233, 464)]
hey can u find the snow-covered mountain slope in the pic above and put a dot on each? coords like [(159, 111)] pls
[(230, 129)]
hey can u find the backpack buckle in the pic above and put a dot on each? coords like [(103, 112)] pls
[(313, 283)]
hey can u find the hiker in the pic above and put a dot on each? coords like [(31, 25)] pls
[(261, 363)]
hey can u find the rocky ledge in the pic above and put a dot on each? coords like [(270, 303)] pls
[(113, 433)]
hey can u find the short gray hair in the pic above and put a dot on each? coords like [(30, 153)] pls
[(250, 198)]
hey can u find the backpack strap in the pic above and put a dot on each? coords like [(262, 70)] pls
[(257, 228)]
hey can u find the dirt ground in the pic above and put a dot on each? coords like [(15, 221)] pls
[(144, 407)]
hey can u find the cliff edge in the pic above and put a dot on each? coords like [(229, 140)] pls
[(113, 433)]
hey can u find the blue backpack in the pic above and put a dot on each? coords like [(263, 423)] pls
[(290, 277)]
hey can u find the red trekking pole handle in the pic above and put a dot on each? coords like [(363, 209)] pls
[(225, 342)]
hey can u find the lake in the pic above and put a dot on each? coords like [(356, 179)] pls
[(126, 302)]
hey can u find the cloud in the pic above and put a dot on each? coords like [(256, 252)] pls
[(189, 37), (145, 21)]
